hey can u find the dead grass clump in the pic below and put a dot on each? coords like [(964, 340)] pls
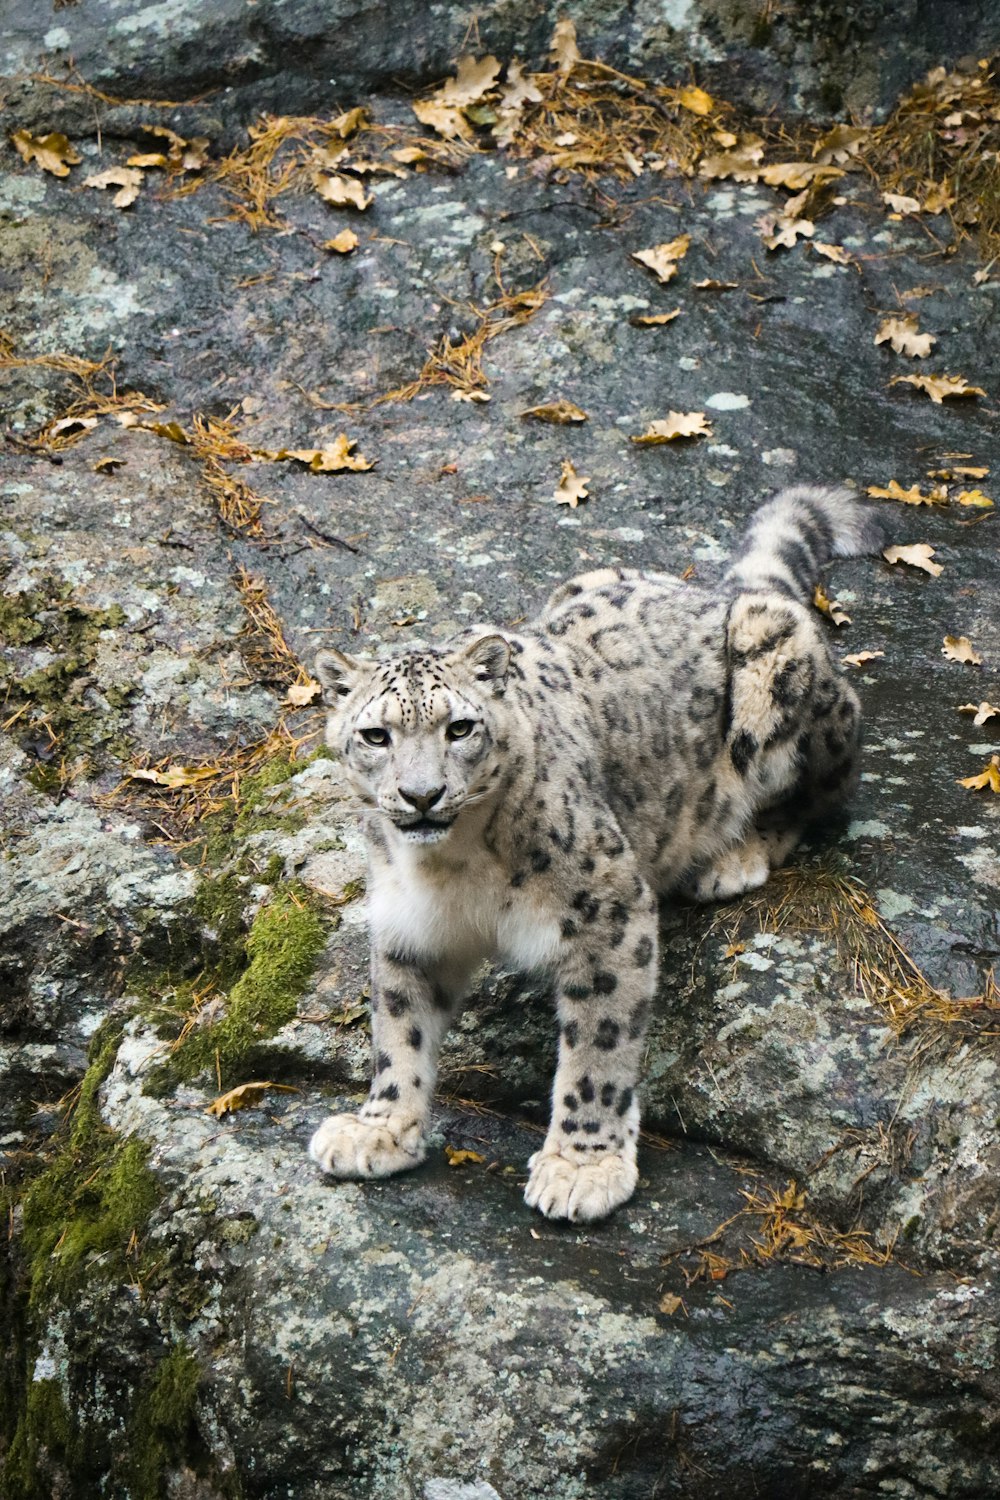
[(459, 364), (800, 899), (941, 146), (97, 395), (267, 654), (775, 1227)]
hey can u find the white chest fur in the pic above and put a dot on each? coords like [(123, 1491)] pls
[(460, 907)]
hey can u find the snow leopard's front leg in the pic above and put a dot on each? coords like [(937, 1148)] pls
[(412, 1006), (606, 984)]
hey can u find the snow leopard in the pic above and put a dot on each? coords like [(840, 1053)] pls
[(530, 796)]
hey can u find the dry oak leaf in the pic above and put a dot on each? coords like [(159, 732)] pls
[(960, 648), (669, 1304), (836, 253), (174, 776), (127, 179), (840, 144), (447, 121), (989, 777), (858, 658), (474, 78), (655, 320), (938, 199), (741, 164), (518, 90), (301, 693), (563, 49), (52, 152), (939, 386), (913, 496), (350, 121), (332, 459), (696, 101), (572, 486), (903, 336), (67, 425), (663, 258), (677, 424), (340, 191), (918, 555), (974, 497), (456, 1158), (243, 1095), (559, 412), (342, 243), (959, 471), (109, 464), (900, 203), (782, 232), (982, 711), (476, 397), (797, 175), (830, 607)]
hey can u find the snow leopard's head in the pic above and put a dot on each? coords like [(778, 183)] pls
[(422, 734)]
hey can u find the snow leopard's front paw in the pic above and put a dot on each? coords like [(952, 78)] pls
[(563, 1188), (347, 1146)]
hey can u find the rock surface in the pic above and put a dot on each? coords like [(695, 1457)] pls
[(801, 1298)]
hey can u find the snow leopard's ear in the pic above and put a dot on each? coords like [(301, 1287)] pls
[(488, 659), (338, 675)]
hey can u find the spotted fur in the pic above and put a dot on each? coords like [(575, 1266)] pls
[(531, 796)]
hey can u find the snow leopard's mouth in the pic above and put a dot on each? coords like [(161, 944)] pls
[(425, 830)]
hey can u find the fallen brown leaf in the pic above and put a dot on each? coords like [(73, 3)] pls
[(917, 555), (341, 191), (445, 119), (913, 496), (654, 320), (974, 497), (52, 152), (663, 258), (457, 1158), (677, 424), (960, 648), (474, 78), (342, 243), (563, 49), (174, 776), (989, 777), (741, 164), (982, 711), (782, 233), (669, 1304), (835, 253), (840, 144), (559, 412), (939, 386), (572, 486), (696, 101), (128, 180), (830, 607), (900, 203), (301, 693), (858, 658), (901, 333), (332, 459), (244, 1095)]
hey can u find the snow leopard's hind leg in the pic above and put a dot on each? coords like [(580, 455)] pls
[(794, 736)]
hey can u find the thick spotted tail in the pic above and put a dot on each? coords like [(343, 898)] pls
[(796, 534)]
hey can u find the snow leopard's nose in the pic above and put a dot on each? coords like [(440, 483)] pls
[(422, 801)]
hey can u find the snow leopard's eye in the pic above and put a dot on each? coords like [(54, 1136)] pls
[(378, 737), (460, 729)]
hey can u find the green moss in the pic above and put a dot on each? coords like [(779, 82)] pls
[(82, 1218), (81, 1212), (264, 971), (162, 1432), (46, 1444)]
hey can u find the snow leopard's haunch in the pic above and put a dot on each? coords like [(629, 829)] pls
[(531, 795)]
